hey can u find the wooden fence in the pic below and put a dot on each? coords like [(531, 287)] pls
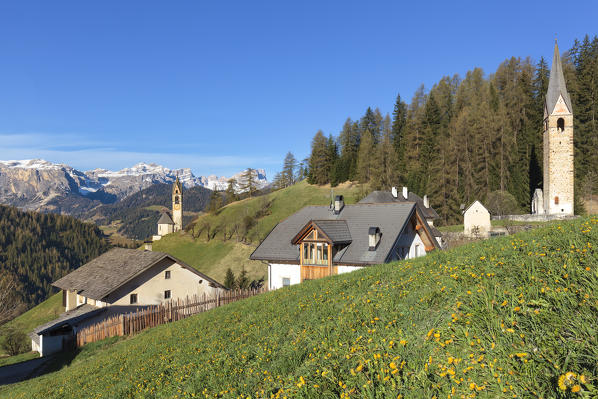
[(151, 316)]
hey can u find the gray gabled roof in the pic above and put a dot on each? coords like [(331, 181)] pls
[(380, 197), (165, 219), (391, 218), (336, 230), (109, 271), (71, 318), (556, 84)]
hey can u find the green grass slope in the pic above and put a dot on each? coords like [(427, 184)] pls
[(212, 258), (280, 205), (509, 317)]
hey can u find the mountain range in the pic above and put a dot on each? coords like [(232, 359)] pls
[(44, 186)]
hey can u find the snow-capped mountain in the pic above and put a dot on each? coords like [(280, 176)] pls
[(37, 184)]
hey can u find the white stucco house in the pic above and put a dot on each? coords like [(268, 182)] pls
[(320, 241), (476, 221), (118, 281)]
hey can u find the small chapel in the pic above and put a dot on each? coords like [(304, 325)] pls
[(170, 224), (556, 197)]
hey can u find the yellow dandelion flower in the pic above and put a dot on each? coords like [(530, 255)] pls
[(516, 308), (582, 379), (392, 365), (576, 388)]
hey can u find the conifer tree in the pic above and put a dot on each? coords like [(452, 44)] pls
[(229, 279), (288, 170), (249, 184), (319, 161), (364, 160), (231, 194)]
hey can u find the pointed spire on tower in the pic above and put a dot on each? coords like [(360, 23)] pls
[(556, 83)]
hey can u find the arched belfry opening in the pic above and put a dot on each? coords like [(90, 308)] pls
[(560, 124)]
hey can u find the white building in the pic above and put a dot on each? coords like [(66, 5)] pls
[(320, 241)]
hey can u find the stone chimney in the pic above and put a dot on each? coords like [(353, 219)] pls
[(426, 201), (405, 192), (148, 245), (339, 203), (394, 192), (373, 237)]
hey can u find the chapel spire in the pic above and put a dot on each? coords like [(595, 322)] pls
[(556, 83)]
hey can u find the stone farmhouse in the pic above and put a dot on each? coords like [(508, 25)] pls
[(320, 241), (119, 281)]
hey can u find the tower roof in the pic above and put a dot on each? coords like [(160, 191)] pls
[(178, 184), (556, 84)]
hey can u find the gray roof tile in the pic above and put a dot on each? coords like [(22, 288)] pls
[(389, 217), (379, 197), (165, 219), (556, 83), (107, 272)]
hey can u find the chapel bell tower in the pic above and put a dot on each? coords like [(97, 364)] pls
[(177, 205), (558, 143)]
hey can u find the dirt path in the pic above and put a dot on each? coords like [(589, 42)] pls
[(22, 371)]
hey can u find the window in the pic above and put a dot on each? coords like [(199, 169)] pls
[(560, 124), (286, 281), (167, 294), (176, 199), (556, 200), (133, 299), (167, 274), (315, 253)]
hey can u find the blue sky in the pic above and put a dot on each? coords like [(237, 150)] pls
[(222, 86)]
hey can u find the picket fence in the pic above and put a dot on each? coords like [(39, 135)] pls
[(151, 316)]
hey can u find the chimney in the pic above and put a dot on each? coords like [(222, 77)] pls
[(405, 192), (394, 192), (426, 201), (373, 238), (339, 203), (148, 245)]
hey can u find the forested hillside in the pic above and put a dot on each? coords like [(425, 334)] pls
[(138, 213), (37, 249), (467, 137)]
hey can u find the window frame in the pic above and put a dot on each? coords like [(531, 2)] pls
[(167, 275), (167, 294), (133, 299)]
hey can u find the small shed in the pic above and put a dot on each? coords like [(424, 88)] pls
[(476, 221)]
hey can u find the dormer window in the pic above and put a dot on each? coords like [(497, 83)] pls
[(374, 237)]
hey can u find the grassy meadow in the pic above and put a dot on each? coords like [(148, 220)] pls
[(513, 316)]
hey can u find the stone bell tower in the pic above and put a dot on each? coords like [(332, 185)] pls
[(558, 143), (177, 205)]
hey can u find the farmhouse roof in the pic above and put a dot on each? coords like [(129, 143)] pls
[(336, 231), (165, 219), (71, 318), (104, 274), (377, 197), (391, 218), (556, 83)]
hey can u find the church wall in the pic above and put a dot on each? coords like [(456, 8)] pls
[(558, 164)]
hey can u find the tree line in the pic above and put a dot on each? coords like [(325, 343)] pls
[(37, 249), (468, 137)]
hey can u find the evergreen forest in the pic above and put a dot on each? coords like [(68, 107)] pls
[(37, 249), (466, 138)]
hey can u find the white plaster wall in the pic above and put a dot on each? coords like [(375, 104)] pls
[(151, 284), (411, 240), (50, 344), (277, 271), (164, 229), (476, 215), (348, 269)]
